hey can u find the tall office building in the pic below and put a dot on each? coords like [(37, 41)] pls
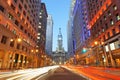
[(70, 31), (49, 35), (41, 37), (18, 33), (80, 31), (103, 22)]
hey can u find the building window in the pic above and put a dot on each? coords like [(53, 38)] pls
[(38, 33), (23, 47), (21, 1), (25, 6), (115, 7), (106, 48), (15, 1), (23, 19), (27, 18), (16, 22), (14, 31), (12, 43), (21, 27), (20, 7), (4, 39), (27, 1), (12, 6), (24, 13), (104, 37), (10, 16), (106, 26), (111, 22), (25, 31), (112, 46), (113, 32), (101, 22), (29, 34), (108, 34), (117, 17), (109, 13), (38, 37), (119, 28), (18, 14), (39, 26), (104, 17), (18, 46), (103, 30), (1, 8)]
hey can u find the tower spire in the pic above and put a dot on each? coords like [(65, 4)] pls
[(59, 30)]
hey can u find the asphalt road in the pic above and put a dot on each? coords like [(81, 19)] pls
[(63, 74)]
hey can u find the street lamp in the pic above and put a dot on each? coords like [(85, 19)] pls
[(19, 40), (97, 57), (12, 43), (104, 59), (96, 42)]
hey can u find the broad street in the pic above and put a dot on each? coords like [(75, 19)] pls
[(62, 72)]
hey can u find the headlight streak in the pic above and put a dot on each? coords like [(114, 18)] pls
[(29, 74)]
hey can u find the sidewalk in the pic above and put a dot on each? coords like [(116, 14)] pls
[(97, 73), (114, 71)]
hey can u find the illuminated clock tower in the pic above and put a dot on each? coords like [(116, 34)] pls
[(60, 40), (59, 56)]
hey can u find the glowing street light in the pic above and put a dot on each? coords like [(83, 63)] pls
[(36, 50), (32, 50), (96, 42), (19, 40), (11, 40), (84, 50)]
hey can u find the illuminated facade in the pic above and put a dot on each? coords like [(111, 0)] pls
[(80, 20), (101, 32), (104, 24), (18, 33)]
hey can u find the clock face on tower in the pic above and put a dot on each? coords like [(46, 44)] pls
[(60, 38)]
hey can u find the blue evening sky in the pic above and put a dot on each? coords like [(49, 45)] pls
[(59, 9)]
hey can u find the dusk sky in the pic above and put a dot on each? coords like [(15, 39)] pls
[(59, 9)]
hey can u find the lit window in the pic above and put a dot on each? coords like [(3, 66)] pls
[(109, 13), (40, 16), (112, 46), (10, 16), (38, 33), (39, 22), (103, 30), (111, 22), (38, 37), (115, 7), (1, 8), (39, 26), (106, 48), (117, 17), (104, 17)]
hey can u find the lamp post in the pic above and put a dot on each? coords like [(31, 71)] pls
[(105, 60), (34, 51), (12, 60), (97, 57)]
